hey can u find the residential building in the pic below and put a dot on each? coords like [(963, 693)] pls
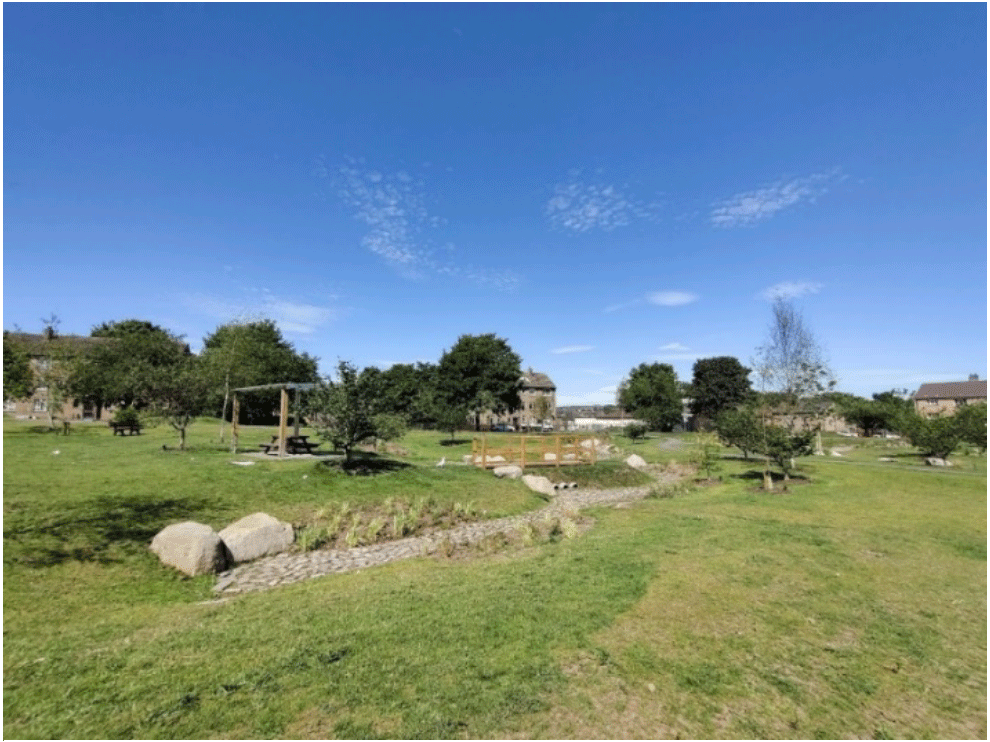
[(538, 405), (944, 398), (49, 353)]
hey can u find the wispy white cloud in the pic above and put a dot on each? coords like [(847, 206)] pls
[(290, 316), (671, 298), (677, 351), (624, 305), (790, 290), (578, 205), (401, 230), (749, 207), (573, 349), (656, 298)]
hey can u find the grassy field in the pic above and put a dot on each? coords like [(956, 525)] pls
[(854, 605)]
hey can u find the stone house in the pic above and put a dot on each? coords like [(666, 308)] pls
[(944, 398), (47, 353), (538, 405)]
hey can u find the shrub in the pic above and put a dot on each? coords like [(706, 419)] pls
[(126, 416), (635, 431)]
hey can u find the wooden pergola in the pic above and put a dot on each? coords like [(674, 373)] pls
[(283, 417)]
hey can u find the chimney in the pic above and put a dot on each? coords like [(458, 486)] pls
[(974, 377)]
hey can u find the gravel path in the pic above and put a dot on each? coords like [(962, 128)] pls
[(286, 568)]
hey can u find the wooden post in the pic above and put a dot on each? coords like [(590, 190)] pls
[(234, 429), (484, 451), (558, 450), (295, 414), (283, 422), (522, 452)]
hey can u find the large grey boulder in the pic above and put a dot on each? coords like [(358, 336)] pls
[(538, 484), (256, 536), (507, 472), (636, 461), (192, 548)]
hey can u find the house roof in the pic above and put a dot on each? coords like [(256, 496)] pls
[(535, 380), (973, 389), (39, 345)]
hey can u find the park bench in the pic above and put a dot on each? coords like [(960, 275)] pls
[(128, 428)]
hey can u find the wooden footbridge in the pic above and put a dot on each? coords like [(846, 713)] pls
[(524, 451)]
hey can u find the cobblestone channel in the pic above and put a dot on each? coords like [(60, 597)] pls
[(287, 568)]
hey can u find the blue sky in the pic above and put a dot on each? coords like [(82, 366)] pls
[(601, 185)]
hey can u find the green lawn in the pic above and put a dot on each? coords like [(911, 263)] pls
[(852, 606)]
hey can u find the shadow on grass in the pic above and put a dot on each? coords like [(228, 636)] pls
[(92, 530), (362, 464), (455, 442)]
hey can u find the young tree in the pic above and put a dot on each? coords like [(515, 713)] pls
[(650, 392), (971, 422), (719, 384), (793, 364), (18, 378), (481, 372), (934, 436), (740, 428), (343, 410), (177, 393)]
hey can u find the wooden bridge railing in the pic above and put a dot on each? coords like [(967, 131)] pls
[(532, 450)]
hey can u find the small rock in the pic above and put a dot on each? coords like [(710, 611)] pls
[(538, 484), (635, 461), (507, 472), (935, 461)]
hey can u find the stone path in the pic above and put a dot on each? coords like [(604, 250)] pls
[(286, 568)]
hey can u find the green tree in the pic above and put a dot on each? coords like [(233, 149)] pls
[(18, 378), (343, 410), (934, 436), (239, 354), (971, 421), (122, 370), (481, 372), (707, 455), (719, 384), (792, 364), (178, 393), (650, 392), (635, 431), (740, 428), (783, 446)]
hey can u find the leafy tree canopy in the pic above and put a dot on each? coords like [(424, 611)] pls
[(651, 393), (18, 379), (719, 384), (121, 371), (481, 372), (343, 410), (239, 354)]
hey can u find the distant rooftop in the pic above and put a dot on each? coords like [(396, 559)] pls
[(972, 389)]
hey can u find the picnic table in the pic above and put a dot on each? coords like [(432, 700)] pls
[(293, 444), (121, 428)]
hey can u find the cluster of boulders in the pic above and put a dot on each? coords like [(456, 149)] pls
[(196, 549)]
